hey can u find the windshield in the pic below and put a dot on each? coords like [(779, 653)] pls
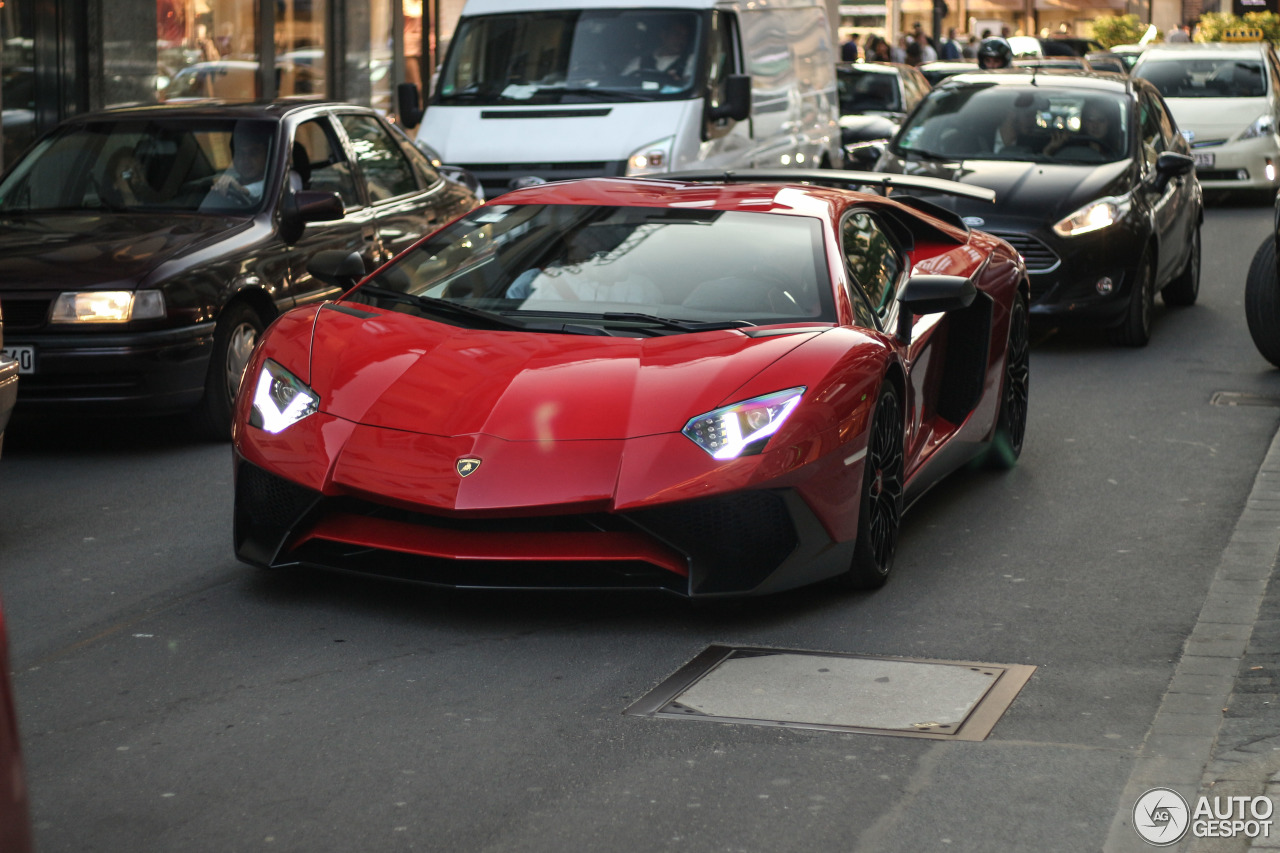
[(867, 91), (572, 56), (1204, 78), (160, 165), (584, 262), (1033, 123)]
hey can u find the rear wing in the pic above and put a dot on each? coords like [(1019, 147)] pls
[(837, 178)]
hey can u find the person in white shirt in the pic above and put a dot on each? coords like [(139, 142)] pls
[(673, 56)]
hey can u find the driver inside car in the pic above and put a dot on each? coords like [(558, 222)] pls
[(672, 57), (242, 183)]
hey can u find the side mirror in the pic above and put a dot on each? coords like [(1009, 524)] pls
[(1170, 165), (737, 99), (931, 294), (303, 206), (408, 106), (863, 155), (337, 267)]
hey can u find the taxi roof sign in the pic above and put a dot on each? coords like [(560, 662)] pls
[(1242, 34)]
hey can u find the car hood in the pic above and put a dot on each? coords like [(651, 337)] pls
[(88, 249), (403, 372), (1216, 118), (1039, 191)]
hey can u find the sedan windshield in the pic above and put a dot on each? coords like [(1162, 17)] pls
[(1033, 123), (1204, 78), (141, 165), (572, 56), (634, 269)]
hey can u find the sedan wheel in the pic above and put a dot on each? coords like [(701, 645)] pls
[(880, 509), (237, 333)]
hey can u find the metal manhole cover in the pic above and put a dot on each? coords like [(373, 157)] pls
[(949, 700), (1241, 398)]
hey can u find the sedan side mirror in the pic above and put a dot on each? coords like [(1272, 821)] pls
[(303, 206), (931, 294), (737, 99), (408, 106), (1170, 165), (337, 267)]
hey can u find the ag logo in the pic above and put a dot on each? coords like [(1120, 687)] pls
[(1161, 817), (467, 466)]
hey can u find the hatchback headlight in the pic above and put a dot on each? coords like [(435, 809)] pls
[(107, 306), (742, 429), (1263, 125), (280, 399), (1094, 216)]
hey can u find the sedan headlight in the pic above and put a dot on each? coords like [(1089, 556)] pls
[(744, 428), (1094, 216), (280, 399), (651, 159), (1263, 125), (107, 306)]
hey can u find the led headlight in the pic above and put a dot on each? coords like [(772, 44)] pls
[(1094, 216), (652, 158), (107, 306), (744, 428), (1263, 125), (280, 399)]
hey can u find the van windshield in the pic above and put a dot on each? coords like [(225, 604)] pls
[(572, 56)]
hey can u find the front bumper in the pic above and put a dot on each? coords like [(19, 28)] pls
[(130, 373), (1241, 165)]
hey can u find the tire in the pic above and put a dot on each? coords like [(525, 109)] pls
[(1135, 329), (1011, 422), (880, 506), (1184, 289), (238, 330), (1262, 301)]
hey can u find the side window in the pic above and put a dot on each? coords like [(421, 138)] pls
[(722, 61), (872, 262), (1149, 132), (385, 168), (319, 163)]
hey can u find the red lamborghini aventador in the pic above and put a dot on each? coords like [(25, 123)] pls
[(709, 384)]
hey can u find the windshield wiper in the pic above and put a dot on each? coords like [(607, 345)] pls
[(680, 325), (442, 306), (928, 155)]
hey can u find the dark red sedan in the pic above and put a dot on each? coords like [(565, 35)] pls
[(708, 386)]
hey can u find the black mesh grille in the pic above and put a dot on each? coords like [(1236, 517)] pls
[(1220, 175), (1038, 256), (270, 501), (24, 314)]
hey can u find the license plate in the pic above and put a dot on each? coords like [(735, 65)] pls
[(1203, 161), (24, 355)]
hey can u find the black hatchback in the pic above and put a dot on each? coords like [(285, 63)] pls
[(1094, 186), (143, 251)]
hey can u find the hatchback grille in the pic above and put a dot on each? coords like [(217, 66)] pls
[(1038, 256)]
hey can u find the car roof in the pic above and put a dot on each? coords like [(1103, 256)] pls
[(221, 109), (1194, 50), (891, 68), (1042, 77)]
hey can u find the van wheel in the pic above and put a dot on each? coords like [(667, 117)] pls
[(234, 338)]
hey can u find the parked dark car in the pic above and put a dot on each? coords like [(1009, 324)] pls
[(1262, 295), (142, 253), (874, 99), (1094, 186)]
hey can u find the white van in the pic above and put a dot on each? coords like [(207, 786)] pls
[(535, 90)]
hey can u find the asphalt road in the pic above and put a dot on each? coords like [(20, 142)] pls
[(172, 699)]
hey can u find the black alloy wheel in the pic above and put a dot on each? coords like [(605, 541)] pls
[(234, 338), (1184, 289), (1262, 301), (1135, 329), (1011, 423), (880, 508)]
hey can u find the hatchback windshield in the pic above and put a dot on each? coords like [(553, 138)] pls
[(572, 56), (198, 165), (1001, 122), (577, 261), (1204, 78)]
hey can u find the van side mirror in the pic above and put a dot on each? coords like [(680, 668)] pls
[(931, 294), (303, 206), (337, 267), (737, 99), (409, 108)]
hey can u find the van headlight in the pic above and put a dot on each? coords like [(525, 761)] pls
[(280, 399), (1094, 216), (651, 159), (1263, 125), (742, 429), (107, 306)]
